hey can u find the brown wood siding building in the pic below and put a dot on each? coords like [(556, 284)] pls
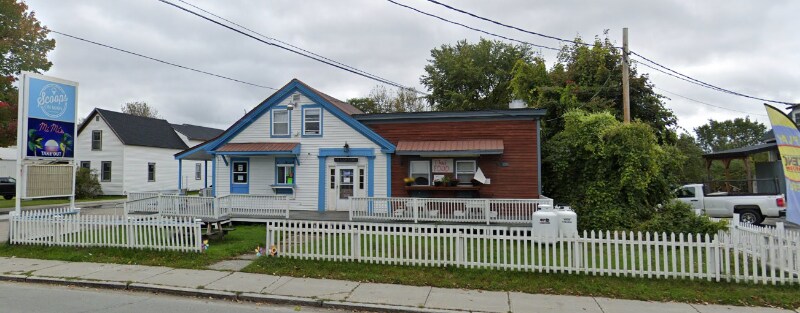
[(513, 174)]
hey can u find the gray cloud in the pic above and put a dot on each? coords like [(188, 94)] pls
[(748, 46)]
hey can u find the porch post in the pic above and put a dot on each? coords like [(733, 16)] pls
[(205, 174), (214, 175), (180, 173)]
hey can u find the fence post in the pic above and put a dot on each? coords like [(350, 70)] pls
[(355, 240), (415, 209), (460, 251), (711, 257), (13, 217), (285, 201), (198, 235), (350, 212), (269, 240), (486, 210)]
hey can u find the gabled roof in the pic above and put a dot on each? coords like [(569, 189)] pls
[(139, 131), (338, 108), (194, 132)]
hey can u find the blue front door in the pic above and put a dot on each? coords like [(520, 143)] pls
[(240, 175)]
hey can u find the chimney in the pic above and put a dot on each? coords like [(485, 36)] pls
[(517, 104)]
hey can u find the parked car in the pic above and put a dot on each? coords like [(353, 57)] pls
[(752, 208), (8, 187)]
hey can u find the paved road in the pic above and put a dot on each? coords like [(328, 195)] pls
[(30, 298)]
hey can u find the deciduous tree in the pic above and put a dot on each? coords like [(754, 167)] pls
[(23, 47), (383, 100), (468, 77), (717, 136), (139, 108)]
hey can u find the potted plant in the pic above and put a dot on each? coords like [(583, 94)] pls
[(438, 182), (454, 182), (409, 181), (445, 181)]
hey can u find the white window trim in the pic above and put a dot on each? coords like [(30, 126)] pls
[(294, 178), (234, 172), (411, 168), (288, 122), (198, 171), (319, 121), (148, 172), (99, 141), (103, 171)]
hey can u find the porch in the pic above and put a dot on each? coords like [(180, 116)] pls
[(259, 208)]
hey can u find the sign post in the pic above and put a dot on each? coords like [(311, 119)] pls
[(46, 137)]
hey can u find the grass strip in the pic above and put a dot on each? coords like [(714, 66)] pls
[(240, 241)]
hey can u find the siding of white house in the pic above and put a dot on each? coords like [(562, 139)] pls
[(335, 134), (112, 150)]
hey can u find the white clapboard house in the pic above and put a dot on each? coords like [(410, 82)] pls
[(135, 154), (302, 143)]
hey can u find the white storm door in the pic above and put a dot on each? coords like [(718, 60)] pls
[(346, 182)]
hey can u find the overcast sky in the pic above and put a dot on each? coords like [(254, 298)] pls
[(748, 46)]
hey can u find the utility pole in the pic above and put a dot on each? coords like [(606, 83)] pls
[(626, 88)]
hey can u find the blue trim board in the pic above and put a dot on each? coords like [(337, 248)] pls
[(303, 120), (321, 184), (324, 153), (388, 174), (180, 173), (271, 117), (214, 176)]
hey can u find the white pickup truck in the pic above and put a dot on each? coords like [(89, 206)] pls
[(752, 208)]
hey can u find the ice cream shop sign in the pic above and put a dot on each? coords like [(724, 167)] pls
[(48, 114)]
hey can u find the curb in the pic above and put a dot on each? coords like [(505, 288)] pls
[(221, 295)]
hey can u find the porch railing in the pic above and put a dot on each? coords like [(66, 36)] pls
[(256, 206), (197, 207), (463, 210)]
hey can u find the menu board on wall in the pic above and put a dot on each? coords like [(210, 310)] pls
[(442, 165)]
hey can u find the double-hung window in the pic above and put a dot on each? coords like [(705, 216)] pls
[(198, 171), (151, 172), (280, 122), (240, 172), (465, 171), (97, 140), (420, 171), (105, 171), (312, 121), (284, 170)]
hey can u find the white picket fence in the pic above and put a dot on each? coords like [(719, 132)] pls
[(209, 208), (726, 256), (459, 210), (65, 227)]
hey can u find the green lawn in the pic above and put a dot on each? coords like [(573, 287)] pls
[(11, 203), (240, 241), (562, 284)]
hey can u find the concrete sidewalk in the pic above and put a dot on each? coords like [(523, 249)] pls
[(326, 292)]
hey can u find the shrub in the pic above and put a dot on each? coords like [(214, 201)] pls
[(86, 184), (678, 217)]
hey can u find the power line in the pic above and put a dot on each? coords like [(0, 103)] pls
[(702, 83), (318, 59), (706, 103), (471, 28), (686, 77), (508, 26), (280, 41), (159, 60)]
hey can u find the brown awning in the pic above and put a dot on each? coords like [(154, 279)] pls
[(450, 147), (266, 147)]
